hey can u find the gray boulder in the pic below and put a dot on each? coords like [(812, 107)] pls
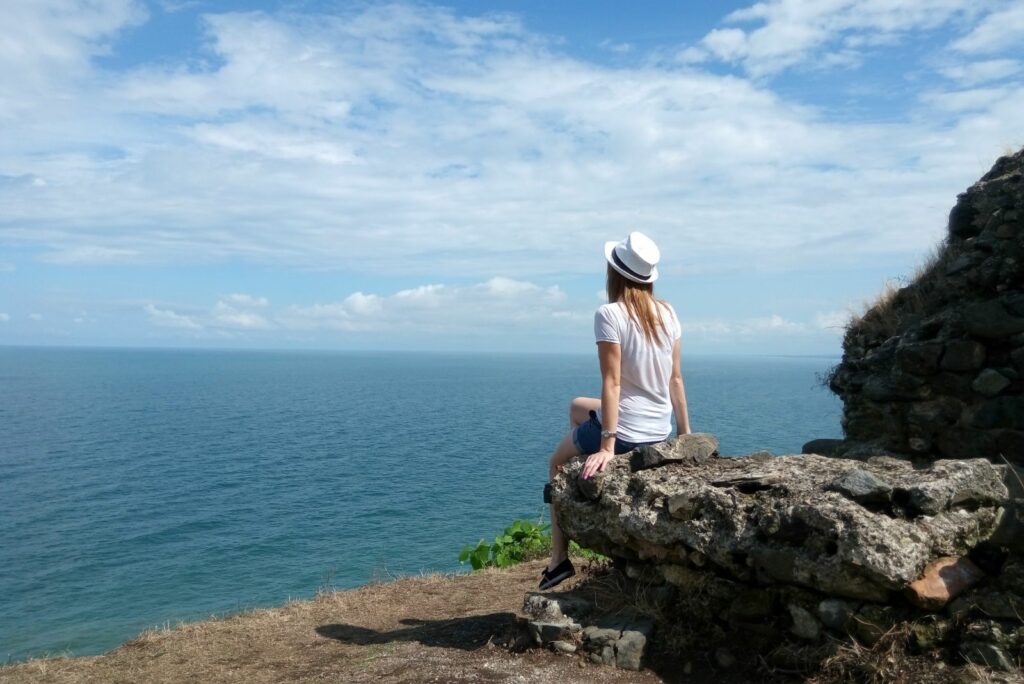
[(781, 519)]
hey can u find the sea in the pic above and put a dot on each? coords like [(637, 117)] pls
[(144, 487)]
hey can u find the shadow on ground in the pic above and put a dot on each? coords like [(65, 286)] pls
[(466, 633)]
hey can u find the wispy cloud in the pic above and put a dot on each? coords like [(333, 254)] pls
[(780, 34), (1002, 29), (410, 139), (167, 318)]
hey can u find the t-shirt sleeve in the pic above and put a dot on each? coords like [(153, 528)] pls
[(605, 329), (675, 325)]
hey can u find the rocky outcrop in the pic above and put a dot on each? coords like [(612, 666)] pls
[(855, 529), (936, 369), (807, 543)]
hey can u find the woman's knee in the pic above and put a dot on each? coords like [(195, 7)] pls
[(580, 408)]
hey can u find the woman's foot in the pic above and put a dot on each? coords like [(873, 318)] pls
[(556, 575)]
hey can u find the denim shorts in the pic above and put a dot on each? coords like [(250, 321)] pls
[(587, 438)]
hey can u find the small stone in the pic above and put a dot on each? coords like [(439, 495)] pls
[(629, 650), (834, 613), (546, 632), (991, 320), (1000, 412), (724, 658), (563, 646), (804, 624), (823, 447), (990, 382), (600, 636), (863, 487), (695, 448), (963, 355), (688, 668), (943, 580), (925, 636), (920, 359), (872, 622), (697, 558)]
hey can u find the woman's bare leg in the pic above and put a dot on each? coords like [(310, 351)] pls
[(559, 544), (580, 408)]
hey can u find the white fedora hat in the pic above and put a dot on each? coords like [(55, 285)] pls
[(635, 258)]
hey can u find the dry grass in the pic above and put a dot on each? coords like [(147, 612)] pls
[(889, 661), (431, 628), (882, 316)]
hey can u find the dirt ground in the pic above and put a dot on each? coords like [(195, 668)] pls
[(437, 628), (431, 628)]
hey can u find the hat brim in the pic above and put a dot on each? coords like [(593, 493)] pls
[(609, 249)]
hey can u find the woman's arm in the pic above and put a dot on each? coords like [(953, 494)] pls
[(610, 356), (678, 393)]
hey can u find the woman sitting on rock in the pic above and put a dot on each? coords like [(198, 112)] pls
[(641, 384)]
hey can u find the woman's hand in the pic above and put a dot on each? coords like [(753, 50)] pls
[(596, 463)]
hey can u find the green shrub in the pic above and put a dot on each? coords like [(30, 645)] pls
[(523, 540)]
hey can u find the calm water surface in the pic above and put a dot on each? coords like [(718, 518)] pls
[(143, 487)]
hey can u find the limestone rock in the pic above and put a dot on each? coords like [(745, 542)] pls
[(834, 614), (863, 487), (804, 625), (695, 448), (779, 520)]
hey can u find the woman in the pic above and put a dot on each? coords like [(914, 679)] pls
[(641, 383)]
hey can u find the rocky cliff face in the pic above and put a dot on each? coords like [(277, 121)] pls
[(936, 369)]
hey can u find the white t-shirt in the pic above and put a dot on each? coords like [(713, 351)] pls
[(645, 407)]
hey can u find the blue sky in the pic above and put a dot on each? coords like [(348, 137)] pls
[(443, 176)]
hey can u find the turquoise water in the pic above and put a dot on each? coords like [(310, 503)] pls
[(143, 487)]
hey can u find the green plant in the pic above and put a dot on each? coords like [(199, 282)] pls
[(589, 554), (521, 541)]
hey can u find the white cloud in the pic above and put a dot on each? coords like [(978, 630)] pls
[(438, 307), (409, 140), (225, 315), (787, 33), (1000, 30), (35, 316), (242, 299), (975, 73), (89, 254), (167, 318), (4, 317), (720, 328)]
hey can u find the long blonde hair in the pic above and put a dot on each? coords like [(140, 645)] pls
[(641, 304)]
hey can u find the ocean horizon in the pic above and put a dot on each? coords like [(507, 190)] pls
[(143, 486)]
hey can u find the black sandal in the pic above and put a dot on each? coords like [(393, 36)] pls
[(559, 574)]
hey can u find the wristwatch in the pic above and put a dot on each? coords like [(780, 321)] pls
[(605, 433)]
